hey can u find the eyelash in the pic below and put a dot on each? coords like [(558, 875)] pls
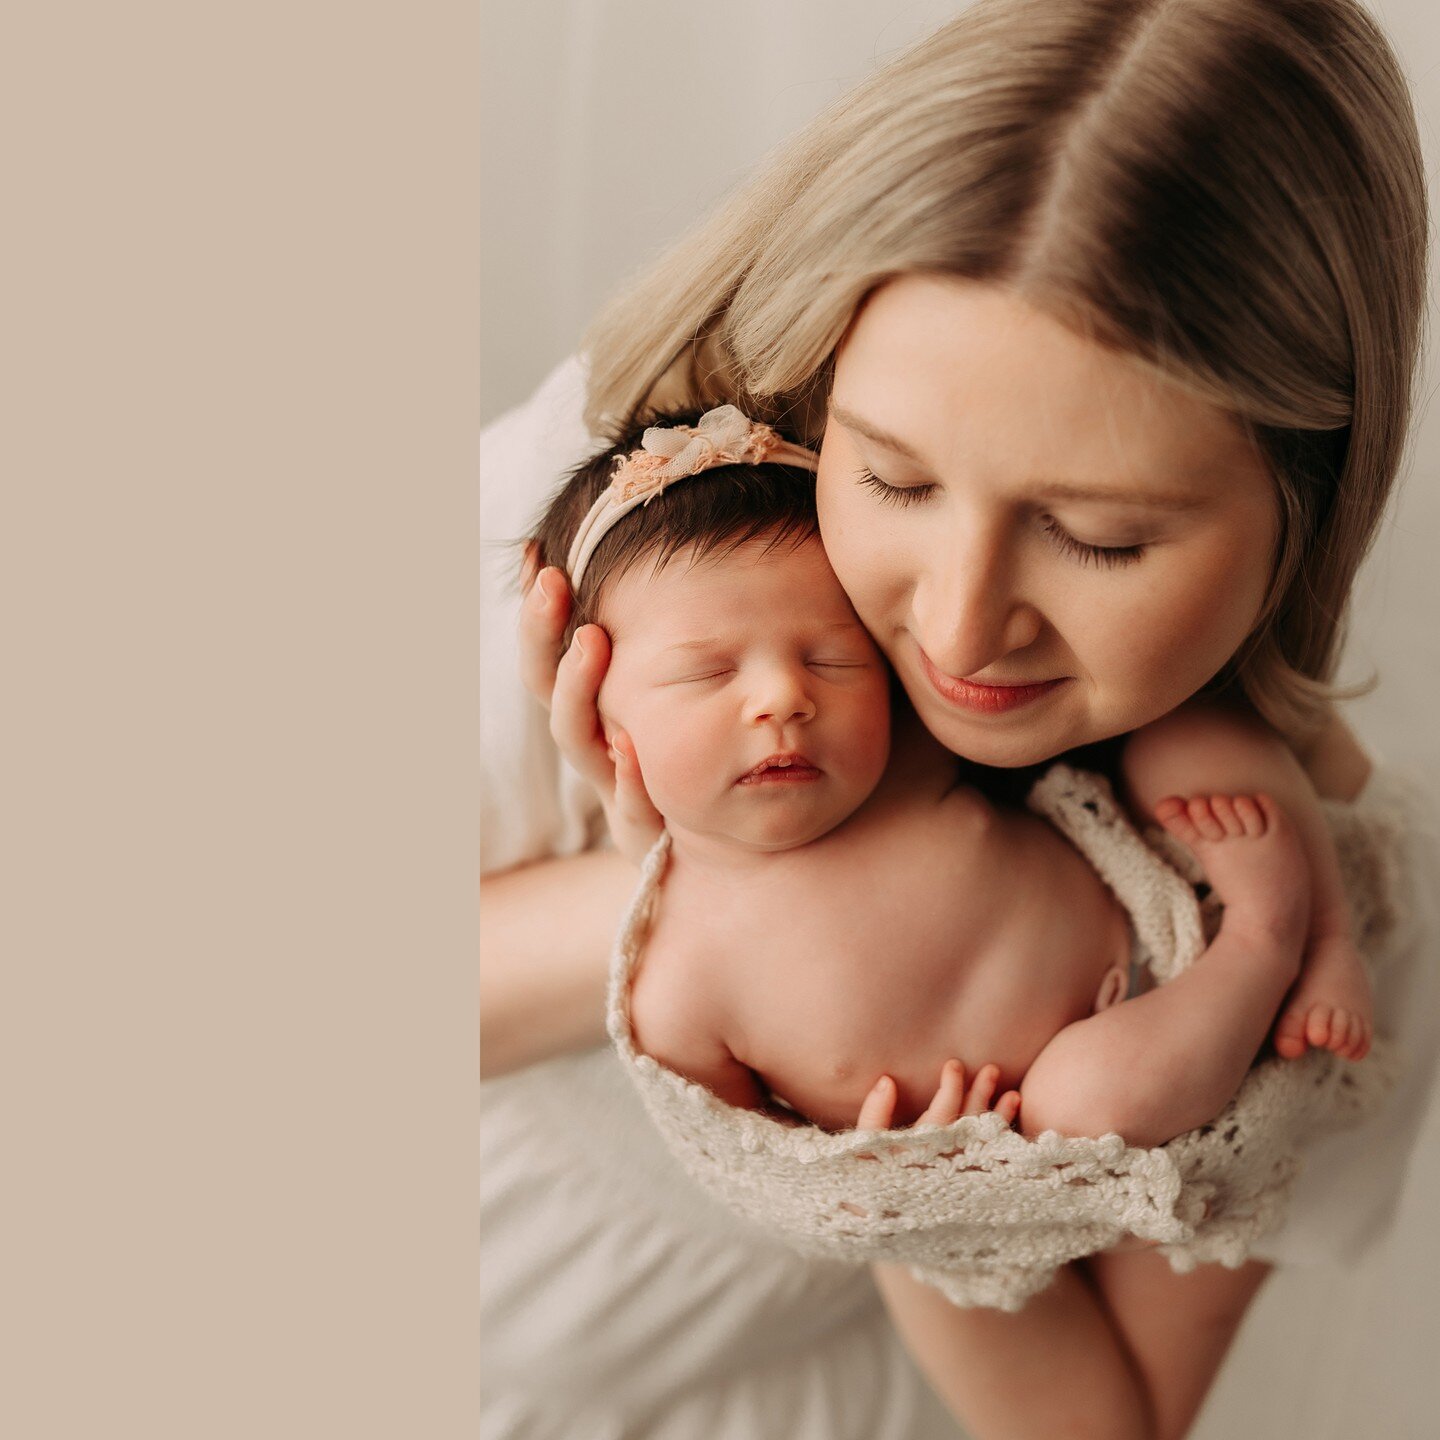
[(817, 664), (1106, 555)]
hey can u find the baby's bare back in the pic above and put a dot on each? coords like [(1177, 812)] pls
[(923, 929)]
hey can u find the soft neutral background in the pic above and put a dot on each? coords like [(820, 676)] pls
[(609, 127)]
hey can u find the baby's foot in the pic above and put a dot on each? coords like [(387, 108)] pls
[(1331, 1006), (1253, 858)]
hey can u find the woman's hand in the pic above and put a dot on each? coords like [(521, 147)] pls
[(568, 686), (949, 1104)]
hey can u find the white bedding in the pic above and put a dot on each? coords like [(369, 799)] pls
[(620, 1300)]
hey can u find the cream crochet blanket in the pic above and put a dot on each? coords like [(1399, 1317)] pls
[(987, 1216)]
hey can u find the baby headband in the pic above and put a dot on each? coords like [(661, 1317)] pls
[(668, 453)]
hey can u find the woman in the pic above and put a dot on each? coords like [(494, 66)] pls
[(1105, 317)]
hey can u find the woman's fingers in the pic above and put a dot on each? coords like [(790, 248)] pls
[(574, 718), (543, 617), (635, 823)]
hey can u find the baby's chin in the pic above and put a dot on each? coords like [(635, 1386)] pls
[(761, 835)]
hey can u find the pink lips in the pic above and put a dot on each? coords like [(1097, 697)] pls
[(784, 768), (985, 699)]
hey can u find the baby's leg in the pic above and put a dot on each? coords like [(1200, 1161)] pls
[(1054, 1368), (1329, 1005), (1177, 1329), (1200, 749), (1168, 1061)]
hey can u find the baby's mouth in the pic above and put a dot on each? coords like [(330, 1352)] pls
[(786, 768)]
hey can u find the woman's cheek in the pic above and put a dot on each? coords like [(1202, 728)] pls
[(1187, 635)]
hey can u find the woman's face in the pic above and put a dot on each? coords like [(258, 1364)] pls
[(1050, 546)]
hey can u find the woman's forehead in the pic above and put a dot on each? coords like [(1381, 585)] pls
[(951, 375)]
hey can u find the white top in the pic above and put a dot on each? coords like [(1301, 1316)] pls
[(619, 1300)]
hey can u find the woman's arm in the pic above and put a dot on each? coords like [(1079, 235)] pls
[(546, 932)]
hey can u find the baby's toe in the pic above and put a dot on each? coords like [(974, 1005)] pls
[(1317, 1026), (1358, 1044), (1290, 1042), (1173, 814), (1339, 1035), (1224, 811), (1248, 813), (1202, 817)]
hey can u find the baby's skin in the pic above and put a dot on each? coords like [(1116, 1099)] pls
[(826, 920)]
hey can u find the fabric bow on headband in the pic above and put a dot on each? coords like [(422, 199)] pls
[(667, 453)]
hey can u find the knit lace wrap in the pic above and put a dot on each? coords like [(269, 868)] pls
[(987, 1216)]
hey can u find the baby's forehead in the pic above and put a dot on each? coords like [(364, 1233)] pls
[(751, 588)]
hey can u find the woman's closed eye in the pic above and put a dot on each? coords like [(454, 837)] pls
[(1080, 550), (894, 494), (1087, 554)]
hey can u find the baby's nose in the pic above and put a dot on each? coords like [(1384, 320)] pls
[(782, 694)]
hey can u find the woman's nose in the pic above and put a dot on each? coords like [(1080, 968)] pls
[(971, 610), (780, 693)]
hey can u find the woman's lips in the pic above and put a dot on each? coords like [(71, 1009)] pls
[(985, 699)]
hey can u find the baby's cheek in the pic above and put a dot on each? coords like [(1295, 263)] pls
[(675, 762)]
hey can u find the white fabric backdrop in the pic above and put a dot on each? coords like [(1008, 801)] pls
[(610, 126)]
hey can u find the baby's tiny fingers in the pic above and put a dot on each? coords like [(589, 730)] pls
[(983, 1089), (1008, 1106), (944, 1109), (879, 1106)]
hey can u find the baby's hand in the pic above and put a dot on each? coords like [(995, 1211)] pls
[(949, 1104)]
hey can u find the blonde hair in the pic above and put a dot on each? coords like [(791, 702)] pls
[(1230, 192)]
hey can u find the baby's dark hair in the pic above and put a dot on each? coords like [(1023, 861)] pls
[(714, 512)]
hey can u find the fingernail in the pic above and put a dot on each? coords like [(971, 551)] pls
[(550, 586), (580, 642)]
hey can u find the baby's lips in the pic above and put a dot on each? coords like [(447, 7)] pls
[(781, 760)]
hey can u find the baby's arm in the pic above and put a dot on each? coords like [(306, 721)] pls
[(1206, 750), (677, 1022)]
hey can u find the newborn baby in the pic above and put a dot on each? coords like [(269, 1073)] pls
[(839, 904)]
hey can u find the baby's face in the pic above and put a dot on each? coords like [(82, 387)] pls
[(758, 705)]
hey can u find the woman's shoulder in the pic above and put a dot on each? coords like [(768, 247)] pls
[(1336, 762), (526, 452)]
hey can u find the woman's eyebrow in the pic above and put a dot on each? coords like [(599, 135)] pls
[(1054, 489), (1061, 490), (860, 426)]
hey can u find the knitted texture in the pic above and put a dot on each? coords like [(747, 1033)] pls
[(988, 1216)]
